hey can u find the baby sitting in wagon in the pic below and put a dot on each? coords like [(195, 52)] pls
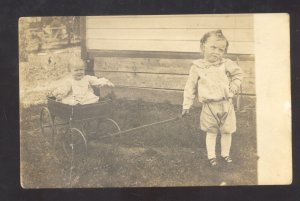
[(78, 89)]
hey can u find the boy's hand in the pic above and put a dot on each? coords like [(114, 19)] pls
[(233, 88), (185, 112)]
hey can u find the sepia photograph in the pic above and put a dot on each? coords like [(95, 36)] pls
[(154, 101)]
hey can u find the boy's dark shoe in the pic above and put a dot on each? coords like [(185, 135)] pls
[(213, 162), (227, 159)]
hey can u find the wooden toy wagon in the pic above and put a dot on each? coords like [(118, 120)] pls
[(80, 123)]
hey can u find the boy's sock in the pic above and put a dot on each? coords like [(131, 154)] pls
[(211, 139), (225, 144)]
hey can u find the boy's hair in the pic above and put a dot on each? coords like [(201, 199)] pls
[(218, 34)]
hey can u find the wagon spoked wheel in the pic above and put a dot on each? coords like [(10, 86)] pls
[(89, 127), (75, 143), (107, 126), (47, 126)]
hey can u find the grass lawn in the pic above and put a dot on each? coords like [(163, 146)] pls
[(171, 154)]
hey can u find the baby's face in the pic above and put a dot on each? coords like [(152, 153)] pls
[(78, 72), (214, 49)]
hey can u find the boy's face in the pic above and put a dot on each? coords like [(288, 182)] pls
[(78, 71), (214, 49)]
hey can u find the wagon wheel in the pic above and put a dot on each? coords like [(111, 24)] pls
[(107, 126), (89, 127), (74, 143), (47, 126), (100, 127)]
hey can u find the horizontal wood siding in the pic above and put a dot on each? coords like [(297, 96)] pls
[(243, 35), (156, 65), (213, 21), (179, 33), (162, 45), (160, 81), (156, 79), (156, 95), (145, 94), (157, 74), (167, 55), (149, 57)]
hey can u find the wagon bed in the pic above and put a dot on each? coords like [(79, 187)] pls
[(79, 112), (81, 123)]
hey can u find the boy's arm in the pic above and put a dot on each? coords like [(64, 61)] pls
[(190, 88), (236, 74)]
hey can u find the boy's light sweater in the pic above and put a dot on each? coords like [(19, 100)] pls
[(211, 81)]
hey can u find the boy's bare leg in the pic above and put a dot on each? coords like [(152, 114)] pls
[(211, 139)]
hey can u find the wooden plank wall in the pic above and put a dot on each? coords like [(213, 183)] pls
[(161, 76), (180, 33), (137, 78)]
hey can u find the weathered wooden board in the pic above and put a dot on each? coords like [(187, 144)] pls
[(140, 64), (146, 94), (162, 45), (163, 55), (151, 65), (155, 65), (153, 95), (161, 81), (168, 34), (168, 21)]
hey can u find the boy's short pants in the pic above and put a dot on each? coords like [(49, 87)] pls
[(218, 116)]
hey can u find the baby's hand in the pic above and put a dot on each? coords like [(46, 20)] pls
[(109, 83), (104, 82), (49, 93), (59, 97), (233, 88)]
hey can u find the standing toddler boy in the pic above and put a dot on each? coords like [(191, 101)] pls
[(215, 80)]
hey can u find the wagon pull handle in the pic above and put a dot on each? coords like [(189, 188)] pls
[(140, 127)]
